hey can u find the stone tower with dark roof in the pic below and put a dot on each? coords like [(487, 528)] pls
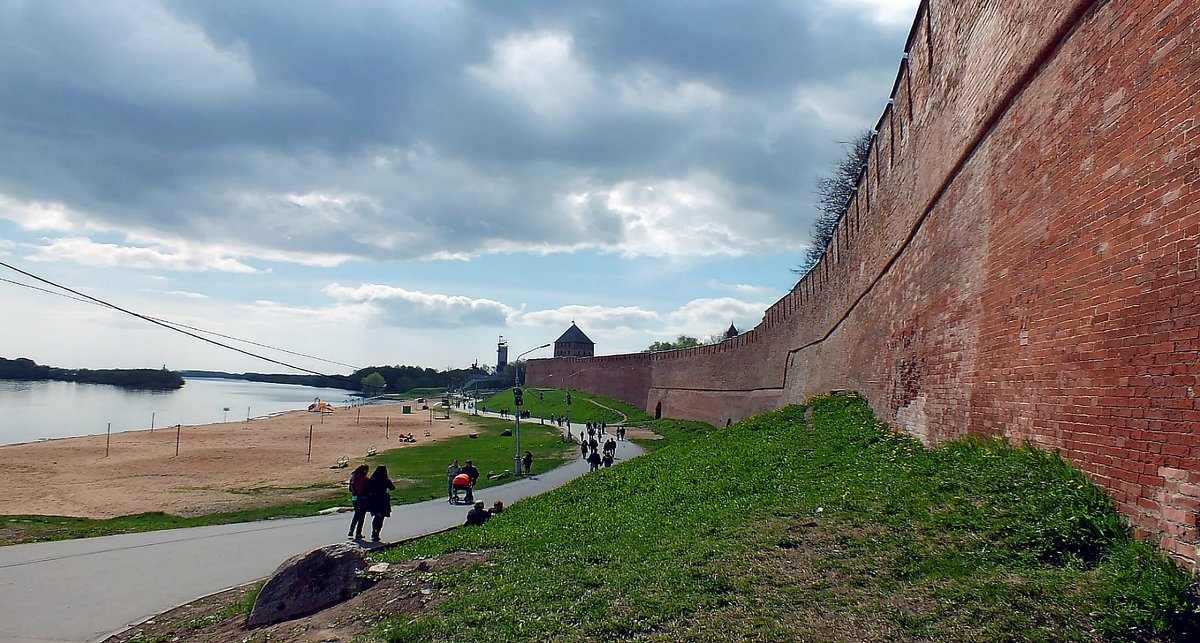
[(574, 343)]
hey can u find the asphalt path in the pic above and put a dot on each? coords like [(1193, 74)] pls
[(87, 589)]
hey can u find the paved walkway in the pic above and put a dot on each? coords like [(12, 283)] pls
[(86, 589)]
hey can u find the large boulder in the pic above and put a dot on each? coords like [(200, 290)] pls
[(308, 583)]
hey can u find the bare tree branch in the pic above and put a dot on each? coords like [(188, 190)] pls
[(833, 197)]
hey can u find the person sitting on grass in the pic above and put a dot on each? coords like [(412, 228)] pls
[(497, 507), (477, 515)]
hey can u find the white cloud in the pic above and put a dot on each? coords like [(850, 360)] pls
[(837, 107), (108, 255), (701, 317), (888, 12), (136, 48), (644, 89), (676, 217), (744, 289), (352, 314), (37, 216), (415, 309), (599, 319), (538, 69), (186, 294)]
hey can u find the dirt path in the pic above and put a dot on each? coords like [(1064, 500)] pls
[(624, 418)]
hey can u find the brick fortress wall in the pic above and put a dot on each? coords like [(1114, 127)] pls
[(1020, 258)]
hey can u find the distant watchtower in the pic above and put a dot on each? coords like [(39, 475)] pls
[(501, 355), (574, 343)]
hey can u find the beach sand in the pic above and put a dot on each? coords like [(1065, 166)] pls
[(220, 467)]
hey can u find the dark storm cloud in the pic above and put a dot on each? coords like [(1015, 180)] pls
[(407, 128)]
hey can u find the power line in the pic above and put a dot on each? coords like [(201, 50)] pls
[(86, 298), (247, 341)]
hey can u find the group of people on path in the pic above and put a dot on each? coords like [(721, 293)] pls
[(598, 455), (370, 494), (463, 478)]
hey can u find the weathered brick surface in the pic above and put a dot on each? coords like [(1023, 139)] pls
[(1021, 258)]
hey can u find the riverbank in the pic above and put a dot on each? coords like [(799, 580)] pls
[(219, 467)]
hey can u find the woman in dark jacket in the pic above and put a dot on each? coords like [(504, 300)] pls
[(379, 502)]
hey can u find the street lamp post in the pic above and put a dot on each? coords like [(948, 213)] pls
[(569, 414), (541, 406), (517, 404), (568, 378)]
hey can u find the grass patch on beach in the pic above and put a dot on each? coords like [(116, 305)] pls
[(783, 527), (419, 473)]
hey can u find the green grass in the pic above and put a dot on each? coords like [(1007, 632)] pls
[(781, 528), (241, 608), (419, 473), (585, 407)]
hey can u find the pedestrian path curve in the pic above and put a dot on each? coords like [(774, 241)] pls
[(86, 589)]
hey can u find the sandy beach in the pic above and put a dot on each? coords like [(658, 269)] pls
[(220, 467)]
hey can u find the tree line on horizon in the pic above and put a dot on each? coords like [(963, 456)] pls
[(25, 369), (374, 380), (399, 379)]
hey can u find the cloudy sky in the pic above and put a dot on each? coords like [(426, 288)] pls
[(402, 182)]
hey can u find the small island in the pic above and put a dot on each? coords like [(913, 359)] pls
[(142, 378)]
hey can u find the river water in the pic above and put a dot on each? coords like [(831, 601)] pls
[(31, 411)]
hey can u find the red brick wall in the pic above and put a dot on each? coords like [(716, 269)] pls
[(1020, 259)]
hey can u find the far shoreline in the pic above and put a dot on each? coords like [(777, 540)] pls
[(38, 411)]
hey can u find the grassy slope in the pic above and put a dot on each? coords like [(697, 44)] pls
[(419, 473), (778, 529)]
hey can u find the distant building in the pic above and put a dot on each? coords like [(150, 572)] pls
[(732, 332), (501, 355), (574, 343)]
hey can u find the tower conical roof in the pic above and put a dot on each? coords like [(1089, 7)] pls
[(574, 335)]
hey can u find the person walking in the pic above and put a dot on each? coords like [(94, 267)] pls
[(594, 460), (451, 471), (358, 499), (527, 461), (471, 471), (607, 460), (379, 501), (582, 447)]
